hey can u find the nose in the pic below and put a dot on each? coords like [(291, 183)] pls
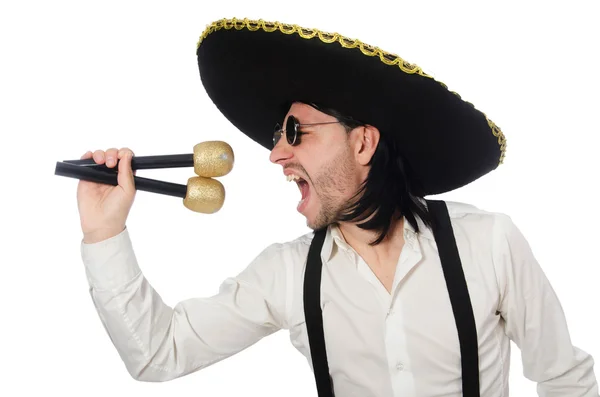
[(281, 152)]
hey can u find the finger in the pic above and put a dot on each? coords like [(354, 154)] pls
[(99, 156), (87, 155), (124, 150), (125, 174), (111, 157)]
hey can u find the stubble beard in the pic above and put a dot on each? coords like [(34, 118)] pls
[(332, 186)]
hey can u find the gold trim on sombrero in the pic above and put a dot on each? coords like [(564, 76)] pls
[(369, 50)]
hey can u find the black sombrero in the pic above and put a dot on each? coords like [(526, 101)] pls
[(253, 71)]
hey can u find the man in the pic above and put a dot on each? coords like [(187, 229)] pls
[(393, 294)]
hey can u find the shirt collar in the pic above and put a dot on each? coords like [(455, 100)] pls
[(334, 240)]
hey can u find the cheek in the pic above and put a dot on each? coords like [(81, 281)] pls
[(331, 174), (331, 181)]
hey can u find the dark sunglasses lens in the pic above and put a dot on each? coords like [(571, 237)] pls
[(290, 130)]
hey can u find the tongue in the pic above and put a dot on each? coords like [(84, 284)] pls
[(303, 189)]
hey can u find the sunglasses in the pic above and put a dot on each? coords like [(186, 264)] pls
[(292, 130)]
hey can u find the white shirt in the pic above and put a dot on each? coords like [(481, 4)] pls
[(378, 344)]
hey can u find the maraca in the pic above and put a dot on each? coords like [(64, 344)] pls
[(202, 194)]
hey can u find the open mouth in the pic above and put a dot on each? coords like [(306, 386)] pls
[(304, 190)]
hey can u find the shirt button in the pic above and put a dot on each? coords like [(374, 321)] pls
[(399, 366)]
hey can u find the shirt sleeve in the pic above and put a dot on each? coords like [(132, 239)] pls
[(158, 342), (535, 320)]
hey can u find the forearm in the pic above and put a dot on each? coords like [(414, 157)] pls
[(138, 322), (577, 381), (158, 342)]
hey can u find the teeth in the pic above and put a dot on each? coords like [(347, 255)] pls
[(292, 177)]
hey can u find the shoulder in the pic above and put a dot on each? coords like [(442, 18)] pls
[(460, 210), (493, 238), (273, 270), (486, 229), (465, 214), (493, 229), (287, 252)]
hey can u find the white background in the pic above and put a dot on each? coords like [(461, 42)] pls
[(85, 75)]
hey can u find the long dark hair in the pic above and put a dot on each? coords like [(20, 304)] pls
[(385, 195)]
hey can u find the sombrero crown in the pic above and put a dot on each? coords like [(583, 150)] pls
[(254, 70)]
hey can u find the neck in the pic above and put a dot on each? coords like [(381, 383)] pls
[(359, 239)]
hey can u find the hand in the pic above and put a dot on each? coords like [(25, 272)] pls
[(103, 209)]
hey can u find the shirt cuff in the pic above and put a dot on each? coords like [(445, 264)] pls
[(110, 263)]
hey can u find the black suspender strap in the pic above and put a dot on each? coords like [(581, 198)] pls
[(313, 315), (457, 290), (459, 296)]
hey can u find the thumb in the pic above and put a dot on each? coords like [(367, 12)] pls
[(125, 174)]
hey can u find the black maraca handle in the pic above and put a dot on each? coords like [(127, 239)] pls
[(111, 178), (143, 162)]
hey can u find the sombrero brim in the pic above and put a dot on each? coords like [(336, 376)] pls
[(254, 70)]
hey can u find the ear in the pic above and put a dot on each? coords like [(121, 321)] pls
[(367, 139)]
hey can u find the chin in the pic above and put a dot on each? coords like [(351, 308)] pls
[(312, 226), (310, 222), (314, 216)]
